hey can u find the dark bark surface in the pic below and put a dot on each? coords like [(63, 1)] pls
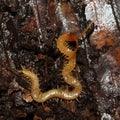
[(28, 39)]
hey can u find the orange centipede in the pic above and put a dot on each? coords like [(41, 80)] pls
[(39, 96), (64, 43)]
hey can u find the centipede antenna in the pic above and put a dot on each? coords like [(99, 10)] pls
[(86, 29)]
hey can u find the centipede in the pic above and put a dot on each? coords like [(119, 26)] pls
[(67, 44), (64, 47)]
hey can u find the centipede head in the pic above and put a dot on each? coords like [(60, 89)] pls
[(71, 45), (71, 41), (68, 44)]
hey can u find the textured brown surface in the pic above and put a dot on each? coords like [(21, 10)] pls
[(21, 45)]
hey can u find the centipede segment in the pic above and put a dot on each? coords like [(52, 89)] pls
[(67, 45)]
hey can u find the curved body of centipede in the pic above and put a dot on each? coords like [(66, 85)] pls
[(63, 44)]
